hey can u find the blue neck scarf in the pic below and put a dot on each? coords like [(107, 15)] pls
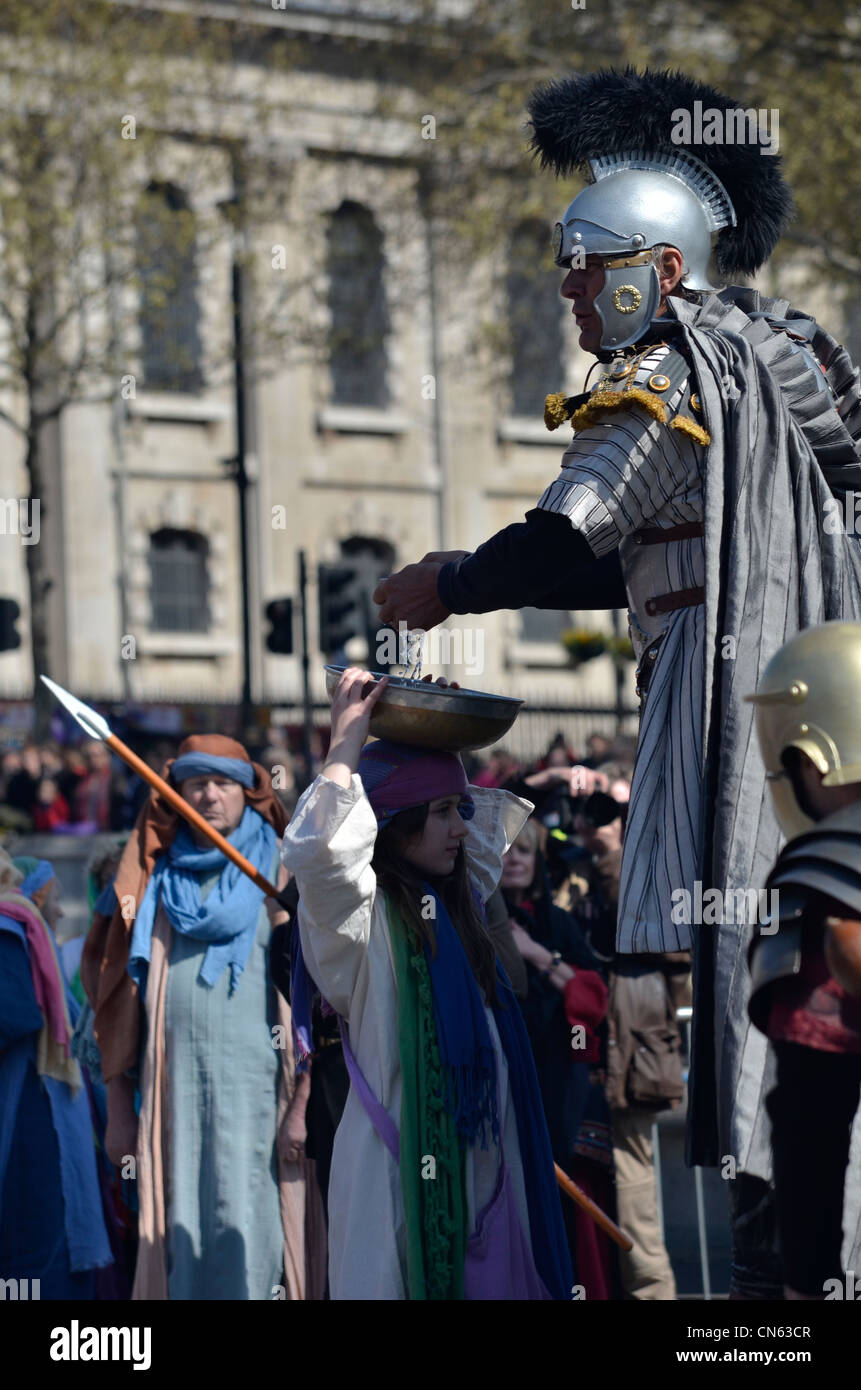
[(469, 1089), (465, 1048), (227, 919)]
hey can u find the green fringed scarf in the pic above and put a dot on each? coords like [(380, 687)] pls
[(435, 1207)]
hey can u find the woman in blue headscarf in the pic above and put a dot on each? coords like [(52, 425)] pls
[(52, 1228)]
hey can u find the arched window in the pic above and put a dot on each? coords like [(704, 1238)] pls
[(179, 581), (374, 558), (357, 306), (534, 319), (169, 317)]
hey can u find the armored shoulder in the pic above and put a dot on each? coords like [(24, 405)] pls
[(775, 952), (827, 861), (814, 871), (656, 378)]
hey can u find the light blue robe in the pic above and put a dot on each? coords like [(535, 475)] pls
[(224, 1233)]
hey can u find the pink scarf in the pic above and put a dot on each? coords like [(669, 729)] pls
[(54, 1057)]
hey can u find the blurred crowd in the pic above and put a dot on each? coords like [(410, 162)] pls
[(603, 1028), (85, 789)]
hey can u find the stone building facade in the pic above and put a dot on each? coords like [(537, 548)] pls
[(387, 445)]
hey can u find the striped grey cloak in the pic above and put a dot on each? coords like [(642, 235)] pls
[(778, 452)]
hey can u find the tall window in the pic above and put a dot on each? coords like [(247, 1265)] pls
[(179, 581), (534, 319), (169, 317), (357, 305)]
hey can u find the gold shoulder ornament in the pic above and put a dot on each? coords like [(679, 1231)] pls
[(618, 390)]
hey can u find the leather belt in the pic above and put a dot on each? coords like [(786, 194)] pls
[(657, 535), (680, 598)]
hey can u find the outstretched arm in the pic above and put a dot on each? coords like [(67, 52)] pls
[(542, 562)]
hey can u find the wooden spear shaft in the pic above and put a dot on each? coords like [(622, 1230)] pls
[(592, 1209), (180, 804)]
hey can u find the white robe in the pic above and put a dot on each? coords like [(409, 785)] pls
[(344, 930)]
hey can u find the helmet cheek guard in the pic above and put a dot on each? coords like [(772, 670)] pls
[(628, 302)]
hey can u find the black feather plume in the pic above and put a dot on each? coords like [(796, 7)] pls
[(575, 119)]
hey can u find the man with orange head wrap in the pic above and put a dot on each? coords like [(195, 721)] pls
[(218, 1141)]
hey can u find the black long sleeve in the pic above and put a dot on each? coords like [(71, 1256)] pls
[(593, 585), (541, 562)]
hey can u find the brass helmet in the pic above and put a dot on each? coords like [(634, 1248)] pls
[(810, 698)]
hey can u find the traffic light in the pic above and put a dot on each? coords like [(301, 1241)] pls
[(340, 605), (10, 612), (279, 613)]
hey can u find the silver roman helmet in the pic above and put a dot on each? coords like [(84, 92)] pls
[(724, 203), (636, 202)]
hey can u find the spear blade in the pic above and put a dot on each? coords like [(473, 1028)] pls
[(96, 727), (92, 723)]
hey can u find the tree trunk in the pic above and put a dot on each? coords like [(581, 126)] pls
[(40, 584)]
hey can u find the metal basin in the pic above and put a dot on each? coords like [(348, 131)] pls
[(435, 716)]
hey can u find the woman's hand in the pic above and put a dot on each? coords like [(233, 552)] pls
[(523, 941), (539, 957), (547, 776), (440, 680), (583, 781), (352, 706)]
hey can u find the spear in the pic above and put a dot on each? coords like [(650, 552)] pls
[(95, 726), (592, 1209)]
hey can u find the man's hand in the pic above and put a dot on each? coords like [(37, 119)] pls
[(277, 914), (293, 1136), (410, 596), (293, 1133), (121, 1128), (444, 556)]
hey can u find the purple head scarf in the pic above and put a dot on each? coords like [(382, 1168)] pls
[(397, 776)]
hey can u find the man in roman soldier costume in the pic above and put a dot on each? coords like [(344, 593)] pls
[(806, 965), (694, 492)]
